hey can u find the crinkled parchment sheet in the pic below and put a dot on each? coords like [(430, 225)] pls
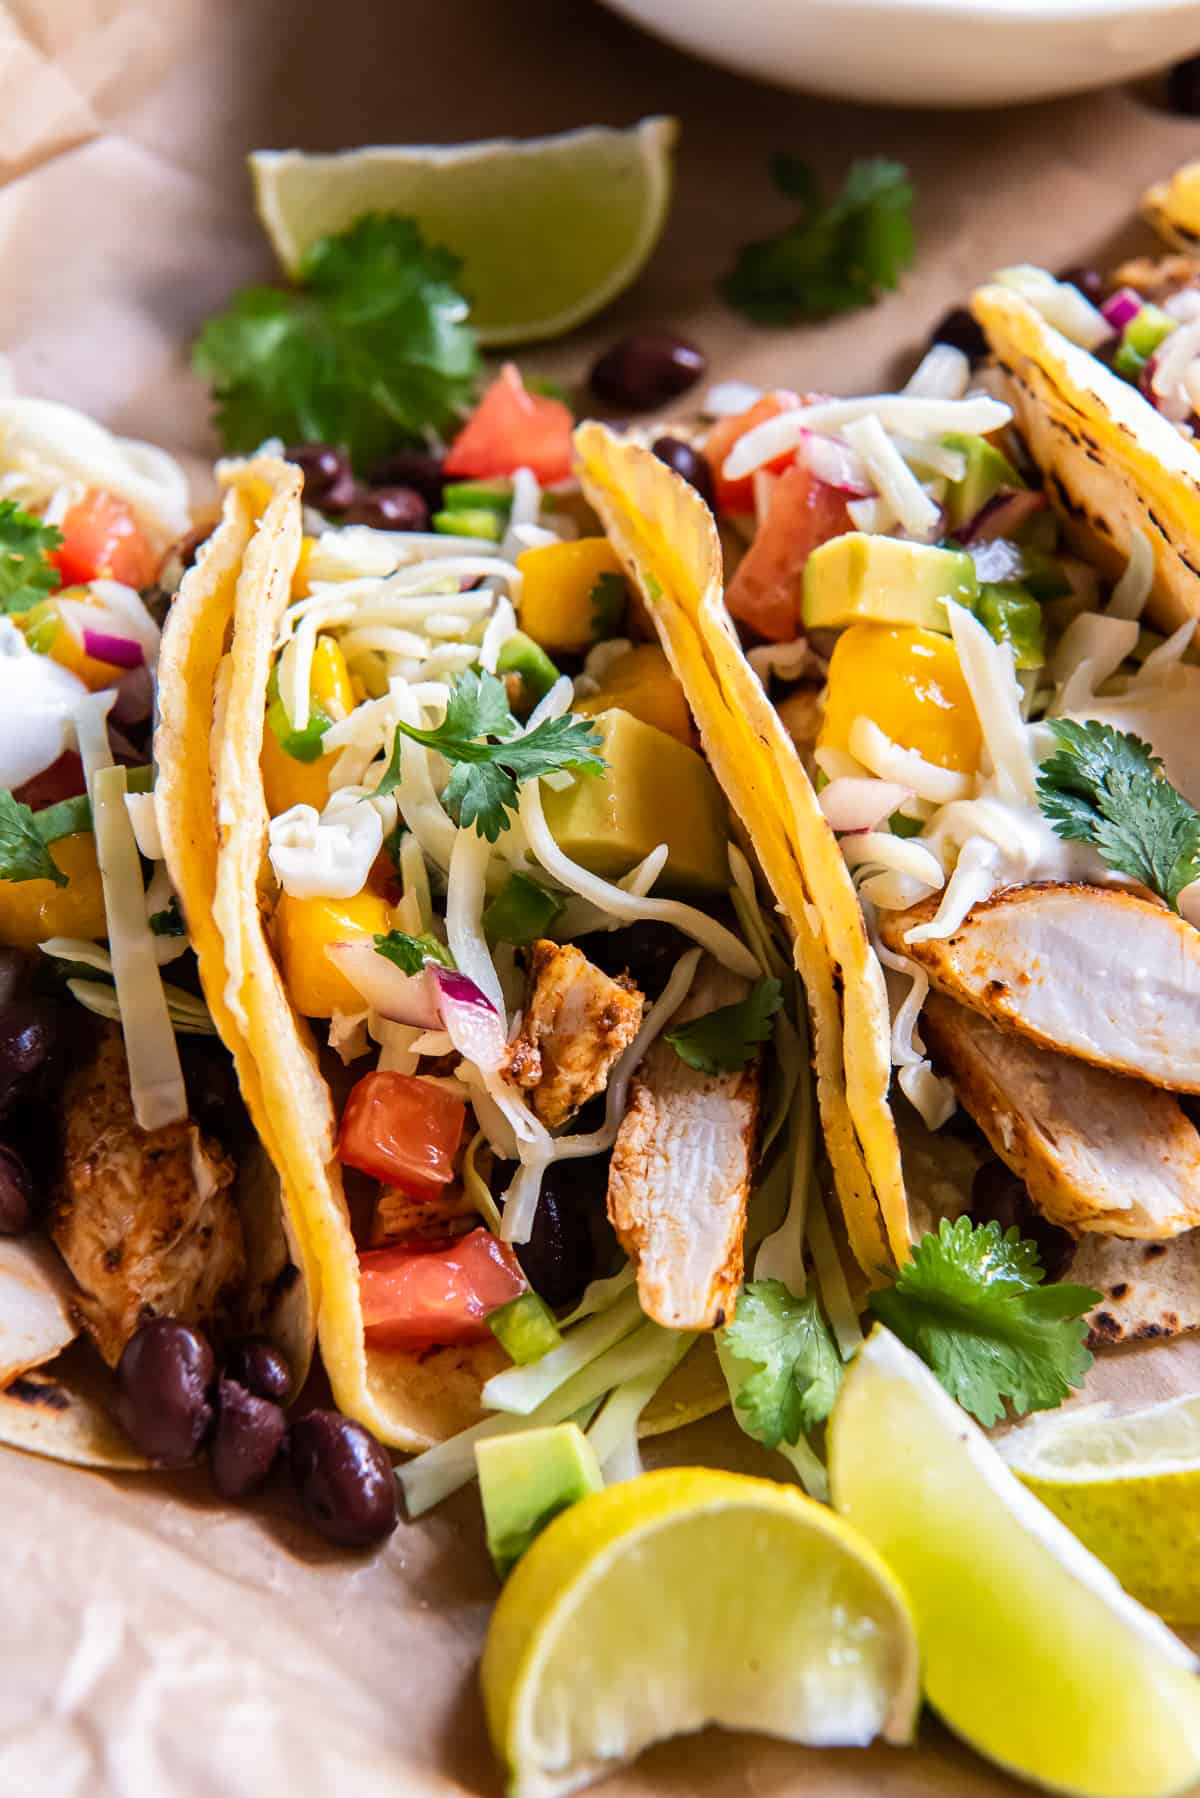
[(157, 1644)]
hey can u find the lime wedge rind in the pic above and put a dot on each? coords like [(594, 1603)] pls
[(549, 229)]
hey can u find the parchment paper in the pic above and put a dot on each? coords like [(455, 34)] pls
[(156, 1643)]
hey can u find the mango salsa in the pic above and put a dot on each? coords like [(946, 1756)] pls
[(641, 682), (302, 929), (47, 631), (909, 683), (32, 910), (556, 605)]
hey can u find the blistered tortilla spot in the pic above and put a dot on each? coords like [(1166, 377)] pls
[(38, 1392), (1154, 1250), (1105, 1328), (1119, 1290)]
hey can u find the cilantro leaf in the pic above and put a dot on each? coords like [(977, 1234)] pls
[(609, 597), (389, 780), (410, 953), (1107, 788), (23, 851), (724, 1040), (169, 921), (486, 772), (26, 573), (971, 1304), (799, 1368), (835, 257), (370, 350)]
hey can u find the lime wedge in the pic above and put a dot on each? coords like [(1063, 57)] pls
[(684, 1598), (549, 230), (1128, 1486), (1031, 1650)]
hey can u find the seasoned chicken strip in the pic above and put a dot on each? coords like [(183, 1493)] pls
[(144, 1219), (1091, 971), (680, 1179), (1095, 1151), (576, 1023)]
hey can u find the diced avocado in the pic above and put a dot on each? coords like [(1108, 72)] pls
[(525, 1479), (522, 656), (470, 521), (987, 471), (525, 1328), (857, 579), (1000, 561), (1147, 329), (653, 789), (1011, 614)]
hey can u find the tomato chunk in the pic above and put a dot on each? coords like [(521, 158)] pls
[(415, 1297), (403, 1130), (513, 428), (102, 540), (738, 496), (768, 586)]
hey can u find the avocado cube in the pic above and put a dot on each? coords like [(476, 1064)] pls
[(861, 579), (987, 471), (653, 789), (525, 1479), (520, 655)]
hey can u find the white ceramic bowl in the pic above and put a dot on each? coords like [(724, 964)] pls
[(929, 52)]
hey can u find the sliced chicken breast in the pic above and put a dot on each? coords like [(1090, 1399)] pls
[(577, 1021), (144, 1219), (1096, 1152), (1094, 972), (679, 1180)]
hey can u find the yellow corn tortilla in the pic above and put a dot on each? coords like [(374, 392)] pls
[(1113, 464), (62, 1412), (665, 535)]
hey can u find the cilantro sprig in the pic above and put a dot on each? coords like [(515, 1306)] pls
[(798, 1368), (370, 350), (972, 1304), (23, 851), (724, 1040), (410, 953), (27, 574), (489, 757), (837, 256), (1107, 788)]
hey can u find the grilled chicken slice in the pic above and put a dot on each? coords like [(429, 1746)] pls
[(680, 1176), (144, 1219), (576, 1023), (1094, 972), (1096, 1152)]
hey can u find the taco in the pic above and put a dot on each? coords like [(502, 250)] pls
[(527, 1039), (134, 1186), (972, 603)]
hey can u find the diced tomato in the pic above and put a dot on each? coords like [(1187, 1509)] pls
[(738, 496), (63, 779), (415, 1297), (102, 540), (512, 428), (768, 586), (403, 1130)]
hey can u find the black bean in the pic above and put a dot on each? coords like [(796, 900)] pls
[(388, 509), (329, 482), (16, 970), (962, 331), (247, 1438), (558, 1259), (1183, 87), (135, 697), (344, 1478), (645, 370), (646, 951), (165, 1374), (31, 1042), (413, 468), (261, 1368), (999, 1196), (1089, 281), (16, 1194), (214, 1098), (689, 463)]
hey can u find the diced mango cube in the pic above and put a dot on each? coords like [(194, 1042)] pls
[(556, 604), (641, 682), (910, 683), (32, 910), (303, 927)]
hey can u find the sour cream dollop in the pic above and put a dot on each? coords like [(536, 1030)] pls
[(37, 698)]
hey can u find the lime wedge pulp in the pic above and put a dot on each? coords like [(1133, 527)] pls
[(683, 1598), (1128, 1485), (549, 229), (1031, 1650)]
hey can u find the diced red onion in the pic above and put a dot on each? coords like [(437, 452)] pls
[(122, 652), (1003, 515), (851, 803), (1121, 306), (401, 998), (469, 1018), (834, 463)]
